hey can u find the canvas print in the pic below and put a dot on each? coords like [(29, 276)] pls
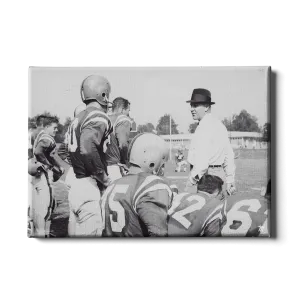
[(149, 152)]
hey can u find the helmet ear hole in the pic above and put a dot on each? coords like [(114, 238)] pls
[(152, 165)]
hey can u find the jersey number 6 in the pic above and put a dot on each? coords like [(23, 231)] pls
[(236, 215)]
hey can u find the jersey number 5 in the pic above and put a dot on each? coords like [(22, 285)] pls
[(118, 223)]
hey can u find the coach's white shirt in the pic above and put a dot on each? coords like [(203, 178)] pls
[(210, 145)]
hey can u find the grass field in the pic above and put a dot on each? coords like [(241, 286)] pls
[(251, 175)]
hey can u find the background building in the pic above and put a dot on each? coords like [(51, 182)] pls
[(238, 139)]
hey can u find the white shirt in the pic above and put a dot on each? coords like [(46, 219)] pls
[(210, 145)]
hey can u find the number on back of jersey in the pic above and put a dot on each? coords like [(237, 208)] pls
[(71, 136), (248, 217)]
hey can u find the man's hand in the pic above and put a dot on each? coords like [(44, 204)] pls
[(230, 188), (102, 179), (124, 169)]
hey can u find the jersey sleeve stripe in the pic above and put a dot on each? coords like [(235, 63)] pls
[(46, 137), (94, 120), (156, 187), (215, 214), (121, 119), (121, 123), (148, 180), (103, 201), (91, 115), (43, 136)]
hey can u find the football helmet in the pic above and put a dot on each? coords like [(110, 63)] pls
[(34, 167), (95, 87), (149, 152)]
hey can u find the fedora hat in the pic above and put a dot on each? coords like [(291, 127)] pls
[(201, 96)]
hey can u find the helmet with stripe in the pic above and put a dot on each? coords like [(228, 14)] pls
[(149, 152), (97, 88)]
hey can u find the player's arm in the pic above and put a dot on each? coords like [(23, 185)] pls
[(90, 142), (152, 209), (63, 152), (54, 158), (122, 132), (40, 151)]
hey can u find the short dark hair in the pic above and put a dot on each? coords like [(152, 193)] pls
[(40, 120), (210, 183), (50, 120), (120, 102)]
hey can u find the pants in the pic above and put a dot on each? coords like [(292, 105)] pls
[(85, 213), (114, 172), (41, 206)]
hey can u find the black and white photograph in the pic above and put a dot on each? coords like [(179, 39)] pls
[(149, 152)]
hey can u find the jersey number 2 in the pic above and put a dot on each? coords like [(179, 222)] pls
[(180, 215)]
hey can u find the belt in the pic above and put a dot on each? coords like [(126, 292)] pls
[(214, 166)]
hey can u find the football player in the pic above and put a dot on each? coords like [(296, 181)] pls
[(63, 151), (136, 205), (41, 167), (200, 214), (247, 215), (179, 159), (32, 134), (87, 144), (117, 149)]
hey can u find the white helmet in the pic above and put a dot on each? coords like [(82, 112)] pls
[(97, 88), (34, 167), (149, 152)]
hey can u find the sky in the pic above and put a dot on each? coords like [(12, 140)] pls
[(154, 92)]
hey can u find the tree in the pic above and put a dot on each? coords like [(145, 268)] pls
[(193, 127), (163, 126), (228, 123), (242, 122), (266, 131), (149, 127)]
